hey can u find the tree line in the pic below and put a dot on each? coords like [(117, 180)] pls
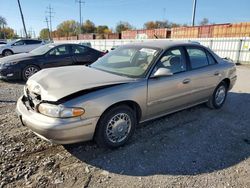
[(72, 28), (6, 32)]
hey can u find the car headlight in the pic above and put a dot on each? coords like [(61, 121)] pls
[(8, 64), (59, 111)]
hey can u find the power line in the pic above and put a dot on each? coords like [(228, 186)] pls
[(21, 12), (80, 12)]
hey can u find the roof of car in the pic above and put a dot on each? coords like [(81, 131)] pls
[(163, 44)]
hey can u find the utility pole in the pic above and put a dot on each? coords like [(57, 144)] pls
[(24, 27), (80, 12), (194, 11), (50, 12), (47, 22), (164, 14)]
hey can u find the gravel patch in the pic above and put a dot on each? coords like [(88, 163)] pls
[(197, 147)]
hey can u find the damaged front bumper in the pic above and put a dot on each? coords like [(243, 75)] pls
[(56, 130)]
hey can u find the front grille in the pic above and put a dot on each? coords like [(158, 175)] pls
[(32, 99)]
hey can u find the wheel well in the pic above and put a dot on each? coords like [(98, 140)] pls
[(7, 50), (133, 105), (227, 81), (31, 65)]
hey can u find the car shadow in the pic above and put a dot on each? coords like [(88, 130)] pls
[(19, 82), (194, 141)]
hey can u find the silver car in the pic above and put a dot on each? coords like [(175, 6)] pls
[(132, 84)]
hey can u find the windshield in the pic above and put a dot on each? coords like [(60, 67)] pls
[(42, 49), (127, 61)]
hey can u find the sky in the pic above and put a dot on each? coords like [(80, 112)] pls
[(110, 12)]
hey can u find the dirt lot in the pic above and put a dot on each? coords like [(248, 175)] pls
[(197, 147)]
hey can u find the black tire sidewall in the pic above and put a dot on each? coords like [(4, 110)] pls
[(7, 51), (215, 105), (101, 137), (25, 68)]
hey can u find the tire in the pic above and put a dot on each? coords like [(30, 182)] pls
[(28, 71), (7, 53), (118, 121), (219, 96)]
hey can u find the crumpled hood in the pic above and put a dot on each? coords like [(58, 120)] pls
[(56, 83), (16, 58)]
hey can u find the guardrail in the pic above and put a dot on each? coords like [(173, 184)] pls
[(237, 49)]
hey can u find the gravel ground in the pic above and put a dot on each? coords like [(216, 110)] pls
[(198, 147)]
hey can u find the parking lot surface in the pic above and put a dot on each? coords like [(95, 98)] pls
[(197, 147)]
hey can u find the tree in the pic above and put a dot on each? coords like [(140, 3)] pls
[(7, 33), (158, 24), (68, 28), (101, 29), (3, 22), (88, 27), (150, 25), (44, 33), (123, 26), (205, 21), (172, 24), (162, 24)]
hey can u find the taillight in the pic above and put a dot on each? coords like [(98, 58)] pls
[(104, 53)]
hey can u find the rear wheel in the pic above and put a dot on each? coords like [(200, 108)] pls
[(219, 96), (115, 127), (7, 52), (29, 71)]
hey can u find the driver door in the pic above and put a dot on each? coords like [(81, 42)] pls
[(169, 93), (19, 47), (58, 56)]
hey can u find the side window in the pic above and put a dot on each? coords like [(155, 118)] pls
[(211, 59), (29, 42), (19, 43), (78, 49), (198, 57), (174, 60), (60, 50), (35, 41)]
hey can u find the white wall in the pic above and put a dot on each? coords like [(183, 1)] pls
[(237, 49)]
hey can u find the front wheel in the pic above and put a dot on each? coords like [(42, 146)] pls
[(29, 71), (115, 127), (219, 96), (7, 53)]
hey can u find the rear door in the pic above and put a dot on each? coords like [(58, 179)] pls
[(84, 55), (32, 44), (167, 94), (205, 72), (58, 56)]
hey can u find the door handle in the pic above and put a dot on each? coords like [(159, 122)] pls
[(186, 81), (217, 73)]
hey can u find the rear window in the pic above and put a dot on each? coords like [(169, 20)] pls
[(198, 57), (33, 41)]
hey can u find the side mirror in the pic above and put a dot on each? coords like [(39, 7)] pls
[(162, 72)]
